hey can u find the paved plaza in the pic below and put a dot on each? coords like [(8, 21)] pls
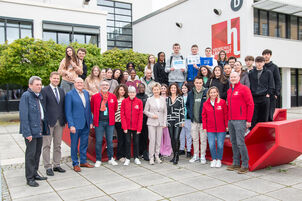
[(145, 182)]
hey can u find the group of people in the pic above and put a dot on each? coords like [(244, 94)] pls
[(179, 103)]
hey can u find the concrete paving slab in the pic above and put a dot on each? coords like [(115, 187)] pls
[(26, 191), (118, 186), (261, 198), (45, 196), (67, 183), (151, 179), (202, 182), (197, 196), (81, 193), (287, 194), (137, 195)]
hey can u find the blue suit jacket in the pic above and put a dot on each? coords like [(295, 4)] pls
[(76, 114)]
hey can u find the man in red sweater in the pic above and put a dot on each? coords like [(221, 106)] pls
[(240, 111)]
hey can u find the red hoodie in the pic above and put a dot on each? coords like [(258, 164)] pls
[(215, 120), (95, 103), (240, 103), (132, 114)]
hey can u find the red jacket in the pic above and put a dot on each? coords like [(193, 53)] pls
[(132, 114), (215, 120), (95, 103), (240, 103)]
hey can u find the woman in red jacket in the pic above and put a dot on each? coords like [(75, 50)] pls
[(215, 124), (103, 107), (132, 121)]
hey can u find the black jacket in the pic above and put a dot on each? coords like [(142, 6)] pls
[(222, 87), (276, 75), (265, 85), (160, 74), (84, 75), (54, 111), (190, 105)]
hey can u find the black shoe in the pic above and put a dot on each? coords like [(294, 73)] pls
[(32, 183), (49, 172), (182, 152), (39, 178), (189, 155), (59, 169), (172, 158), (146, 156), (176, 159)]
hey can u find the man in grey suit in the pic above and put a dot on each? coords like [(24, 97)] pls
[(54, 98)]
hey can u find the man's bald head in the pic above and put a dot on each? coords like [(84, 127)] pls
[(234, 78), (79, 83)]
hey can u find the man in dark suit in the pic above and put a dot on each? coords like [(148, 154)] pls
[(78, 115), (54, 98), (33, 125)]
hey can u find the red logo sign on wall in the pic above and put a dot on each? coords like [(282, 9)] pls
[(226, 36)]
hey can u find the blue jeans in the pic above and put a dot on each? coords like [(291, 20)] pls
[(216, 154), (185, 135), (99, 134), (81, 134)]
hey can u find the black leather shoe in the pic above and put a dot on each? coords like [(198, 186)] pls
[(172, 158), (146, 156), (39, 178), (59, 169), (32, 183), (182, 152), (176, 159), (189, 155), (49, 172)]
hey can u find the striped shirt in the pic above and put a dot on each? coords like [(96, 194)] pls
[(118, 111)]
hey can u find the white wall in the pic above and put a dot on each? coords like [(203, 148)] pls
[(38, 11)]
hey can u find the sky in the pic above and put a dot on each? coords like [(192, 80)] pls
[(157, 4)]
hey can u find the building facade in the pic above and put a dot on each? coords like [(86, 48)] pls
[(241, 27)]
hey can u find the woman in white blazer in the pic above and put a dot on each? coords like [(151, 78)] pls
[(156, 111)]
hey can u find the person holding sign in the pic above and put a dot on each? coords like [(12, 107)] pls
[(209, 60), (176, 67), (193, 65)]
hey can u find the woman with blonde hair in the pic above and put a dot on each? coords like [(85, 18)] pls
[(70, 68), (92, 82), (156, 111), (215, 124)]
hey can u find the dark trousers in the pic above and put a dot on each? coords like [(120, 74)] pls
[(32, 157), (82, 135), (174, 132), (121, 141), (143, 139), (261, 110), (272, 107), (135, 144)]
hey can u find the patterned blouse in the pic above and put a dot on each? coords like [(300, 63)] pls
[(118, 111), (175, 111)]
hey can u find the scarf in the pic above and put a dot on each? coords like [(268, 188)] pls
[(104, 101)]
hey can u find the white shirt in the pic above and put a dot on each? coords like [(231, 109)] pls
[(157, 101), (54, 92), (41, 108), (82, 96)]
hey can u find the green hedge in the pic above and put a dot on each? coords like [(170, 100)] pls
[(27, 57)]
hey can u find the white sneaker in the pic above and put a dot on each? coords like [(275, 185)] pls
[(157, 159), (151, 162), (137, 161), (127, 162), (97, 164), (194, 158), (218, 163), (203, 160), (213, 163), (112, 162), (122, 160)]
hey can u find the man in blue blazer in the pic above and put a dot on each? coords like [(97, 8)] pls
[(78, 115)]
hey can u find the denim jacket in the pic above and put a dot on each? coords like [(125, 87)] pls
[(30, 119)]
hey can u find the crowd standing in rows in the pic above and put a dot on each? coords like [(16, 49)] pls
[(181, 103)]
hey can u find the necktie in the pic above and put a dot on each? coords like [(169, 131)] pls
[(57, 95)]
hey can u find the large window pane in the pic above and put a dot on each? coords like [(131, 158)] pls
[(110, 43), (109, 9), (122, 11), (2, 37), (273, 27), (282, 26), (256, 24), (122, 5), (124, 37), (122, 24), (12, 34), (105, 3), (293, 28), (80, 38), (26, 32), (263, 23), (110, 23), (12, 24), (123, 44), (126, 31), (1, 22), (110, 16), (50, 36), (123, 18), (63, 38), (26, 25), (91, 39)]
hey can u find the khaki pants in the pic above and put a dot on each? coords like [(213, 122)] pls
[(198, 134), (155, 135), (56, 135)]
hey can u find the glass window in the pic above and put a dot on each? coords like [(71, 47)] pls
[(26, 32), (110, 23), (123, 5), (122, 24), (12, 24), (110, 16), (2, 36), (80, 38), (25, 25), (110, 43), (127, 31), (273, 28), (12, 34), (50, 36), (300, 82), (293, 28), (93, 39), (123, 18), (1, 22), (256, 25), (124, 37), (109, 9), (293, 90), (300, 28), (282, 26), (122, 11), (123, 44), (63, 38), (263, 23), (105, 3)]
